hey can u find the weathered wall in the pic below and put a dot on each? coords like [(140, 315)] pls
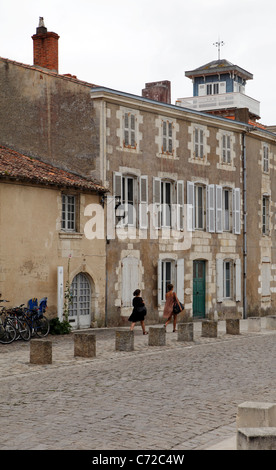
[(48, 116), (33, 246)]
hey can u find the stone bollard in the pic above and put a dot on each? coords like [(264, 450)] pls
[(256, 415), (209, 328), (84, 345), (254, 324), (124, 340), (40, 351), (157, 336), (232, 326), (185, 331), (271, 322), (256, 438)]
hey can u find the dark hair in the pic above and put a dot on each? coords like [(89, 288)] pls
[(136, 292), (169, 287)]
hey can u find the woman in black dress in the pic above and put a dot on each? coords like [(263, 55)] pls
[(139, 311)]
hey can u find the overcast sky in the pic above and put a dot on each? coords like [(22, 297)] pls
[(123, 44)]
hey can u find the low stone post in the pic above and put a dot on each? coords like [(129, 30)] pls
[(40, 351), (256, 415), (256, 439), (84, 345), (124, 340), (209, 328), (185, 331), (232, 326), (271, 322), (157, 336), (254, 324)]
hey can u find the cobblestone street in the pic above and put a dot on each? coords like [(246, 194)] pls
[(179, 396)]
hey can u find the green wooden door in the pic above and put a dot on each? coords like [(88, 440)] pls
[(199, 289)]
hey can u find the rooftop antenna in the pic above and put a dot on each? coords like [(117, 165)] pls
[(218, 44)]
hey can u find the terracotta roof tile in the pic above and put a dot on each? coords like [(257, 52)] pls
[(15, 166)]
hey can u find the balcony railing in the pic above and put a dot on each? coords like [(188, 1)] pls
[(220, 101)]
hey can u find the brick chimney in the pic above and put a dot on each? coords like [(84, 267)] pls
[(45, 48), (158, 91)]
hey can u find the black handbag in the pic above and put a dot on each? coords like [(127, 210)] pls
[(176, 308), (142, 310)]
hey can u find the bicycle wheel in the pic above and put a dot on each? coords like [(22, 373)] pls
[(24, 330), (42, 326), (7, 333)]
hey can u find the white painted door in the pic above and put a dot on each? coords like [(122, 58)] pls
[(80, 307)]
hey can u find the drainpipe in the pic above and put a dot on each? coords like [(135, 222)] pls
[(244, 226)]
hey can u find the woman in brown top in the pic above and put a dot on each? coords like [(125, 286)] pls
[(171, 298)]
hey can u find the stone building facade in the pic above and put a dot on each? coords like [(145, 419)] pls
[(191, 196)]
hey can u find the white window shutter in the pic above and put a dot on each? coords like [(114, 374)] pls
[(211, 208), (159, 282), (117, 185), (201, 90), (238, 280), (222, 87), (143, 202), (156, 202), (236, 211), (218, 209), (130, 279), (180, 204), (190, 206), (219, 279), (180, 280)]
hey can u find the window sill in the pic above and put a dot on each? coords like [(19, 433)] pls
[(66, 235)]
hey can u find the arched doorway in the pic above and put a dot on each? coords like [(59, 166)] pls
[(80, 307)]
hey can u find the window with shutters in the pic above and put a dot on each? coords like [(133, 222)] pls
[(226, 149), (129, 130), (131, 192), (265, 158), (168, 203), (228, 275), (170, 272), (167, 146), (198, 143), (130, 279), (265, 215)]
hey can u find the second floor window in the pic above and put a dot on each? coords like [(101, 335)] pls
[(129, 130), (167, 146), (226, 148), (198, 143), (68, 218), (265, 215), (265, 159)]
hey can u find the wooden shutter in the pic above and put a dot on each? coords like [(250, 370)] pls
[(238, 279), (159, 282), (211, 208), (218, 209), (130, 279), (143, 206), (219, 279), (191, 206), (236, 212), (180, 280), (180, 205), (201, 90), (156, 202)]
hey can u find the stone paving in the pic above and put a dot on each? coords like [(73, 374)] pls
[(181, 396)]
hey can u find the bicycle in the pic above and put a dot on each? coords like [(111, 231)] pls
[(7, 330), (20, 324), (33, 314)]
